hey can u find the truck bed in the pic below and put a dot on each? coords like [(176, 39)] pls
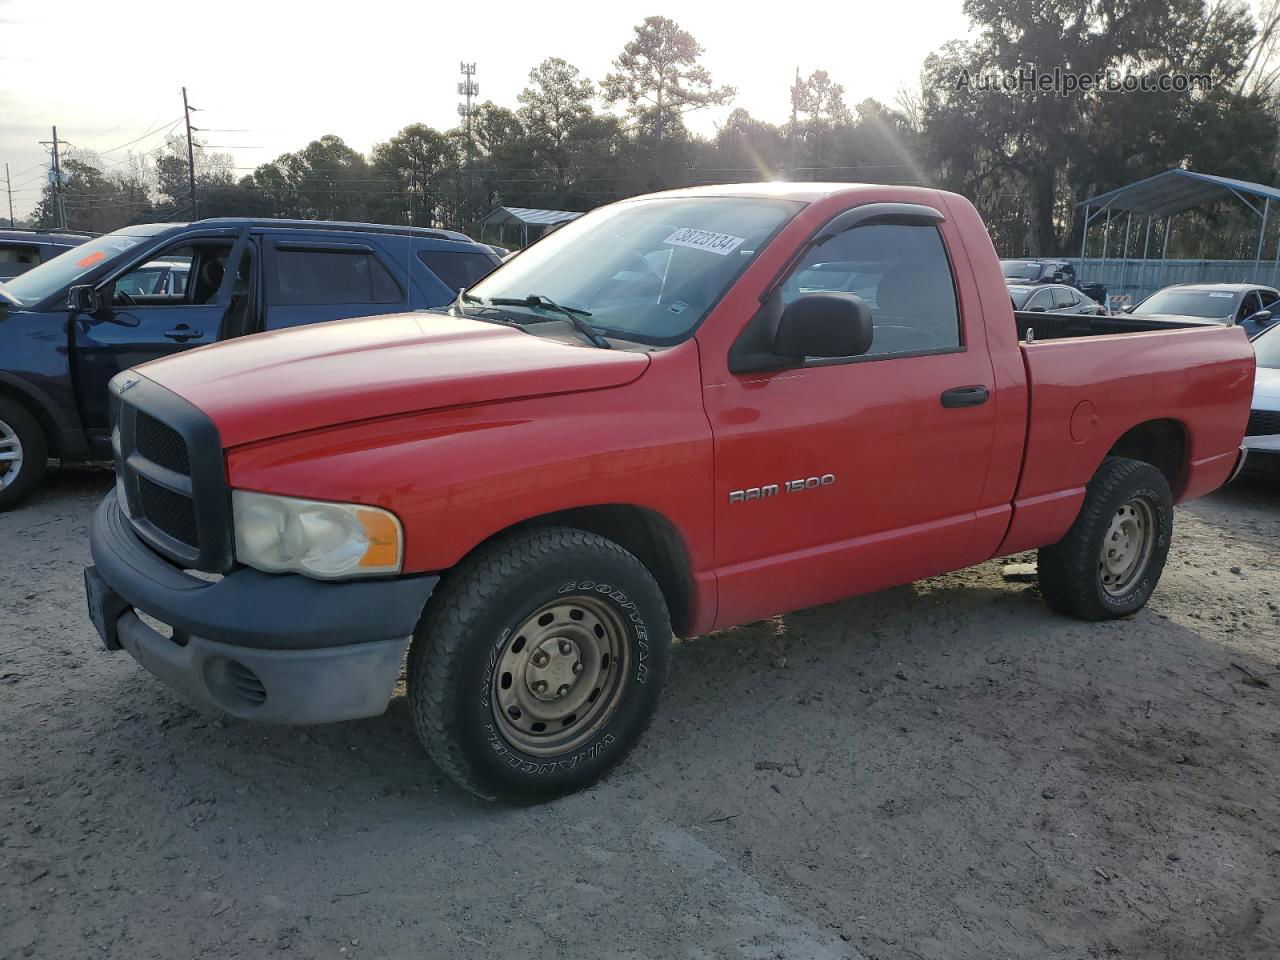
[(1187, 386), (1059, 326)]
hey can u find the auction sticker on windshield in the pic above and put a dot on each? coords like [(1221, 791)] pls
[(721, 243)]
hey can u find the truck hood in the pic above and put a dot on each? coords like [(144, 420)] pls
[(307, 378)]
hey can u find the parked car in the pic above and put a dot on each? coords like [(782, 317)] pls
[(659, 418), (1038, 271), (20, 250), (1246, 304), (1053, 298), (1263, 432), (73, 322)]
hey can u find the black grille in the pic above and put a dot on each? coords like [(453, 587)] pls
[(169, 512), (161, 444), (1263, 422)]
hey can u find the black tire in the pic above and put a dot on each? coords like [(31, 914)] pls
[(466, 636), (1071, 571), (15, 420)]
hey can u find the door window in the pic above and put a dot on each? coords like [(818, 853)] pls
[(332, 277), (903, 274), (1043, 300), (1249, 305), (1063, 297), (16, 258), (163, 279)]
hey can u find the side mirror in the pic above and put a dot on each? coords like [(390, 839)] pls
[(1039, 309), (1262, 316), (1057, 277), (83, 298), (824, 325)]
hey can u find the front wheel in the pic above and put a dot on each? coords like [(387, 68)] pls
[(1111, 559), (23, 453), (537, 665)]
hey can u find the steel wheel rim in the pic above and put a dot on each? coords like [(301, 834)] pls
[(10, 455), (1126, 546), (560, 675)]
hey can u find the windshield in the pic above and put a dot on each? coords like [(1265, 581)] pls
[(647, 270), (1209, 304), (1020, 269), (1267, 349), (52, 275)]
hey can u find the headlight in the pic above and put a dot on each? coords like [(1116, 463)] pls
[(329, 541)]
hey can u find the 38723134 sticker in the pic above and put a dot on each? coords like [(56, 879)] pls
[(718, 243)]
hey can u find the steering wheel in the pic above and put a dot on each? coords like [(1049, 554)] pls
[(123, 298)]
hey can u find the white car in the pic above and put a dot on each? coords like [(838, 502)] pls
[(1262, 436)]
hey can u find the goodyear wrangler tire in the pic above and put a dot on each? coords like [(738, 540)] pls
[(538, 663), (1111, 559)]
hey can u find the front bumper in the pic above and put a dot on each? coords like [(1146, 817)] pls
[(276, 648)]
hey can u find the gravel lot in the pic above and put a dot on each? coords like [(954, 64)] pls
[(942, 770)]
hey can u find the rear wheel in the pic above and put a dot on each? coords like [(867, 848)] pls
[(1111, 559), (23, 453), (538, 663)]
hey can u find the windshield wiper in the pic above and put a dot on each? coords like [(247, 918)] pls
[(572, 314)]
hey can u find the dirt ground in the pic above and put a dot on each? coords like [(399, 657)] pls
[(944, 770)]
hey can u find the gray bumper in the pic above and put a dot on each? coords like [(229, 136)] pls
[(275, 686), (281, 649)]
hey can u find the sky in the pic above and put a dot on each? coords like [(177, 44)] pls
[(270, 76)]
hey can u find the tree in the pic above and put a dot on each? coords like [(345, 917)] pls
[(819, 100), (93, 200), (556, 101), (213, 171), (1053, 150), (325, 180), (659, 78), (412, 166)]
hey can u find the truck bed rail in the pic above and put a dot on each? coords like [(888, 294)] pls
[(1060, 326)]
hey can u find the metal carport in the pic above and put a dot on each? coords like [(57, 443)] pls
[(1166, 194), (524, 218)]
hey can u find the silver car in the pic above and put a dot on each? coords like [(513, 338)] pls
[(1262, 436), (1053, 298), (1247, 304)]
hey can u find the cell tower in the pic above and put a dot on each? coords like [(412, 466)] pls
[(468, 89)]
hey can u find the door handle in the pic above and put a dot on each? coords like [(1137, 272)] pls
[(182, 333), (964, 396)]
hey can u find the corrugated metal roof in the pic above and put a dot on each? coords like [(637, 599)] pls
[(1174, 191), (533, 218)]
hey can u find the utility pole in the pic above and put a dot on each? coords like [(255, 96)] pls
[(8, 185), (57, 179), (191, 154)]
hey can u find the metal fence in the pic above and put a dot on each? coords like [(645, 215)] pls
[(1129, 281)]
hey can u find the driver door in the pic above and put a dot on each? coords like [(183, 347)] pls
[(144, 317)]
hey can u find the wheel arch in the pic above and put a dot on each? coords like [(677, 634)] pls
[(41, 407), (644, 532), (1161, 443)]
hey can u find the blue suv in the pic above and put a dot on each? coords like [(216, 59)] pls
[(71, 323)]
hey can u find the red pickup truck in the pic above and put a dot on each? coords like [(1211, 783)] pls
[(677, 413)]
